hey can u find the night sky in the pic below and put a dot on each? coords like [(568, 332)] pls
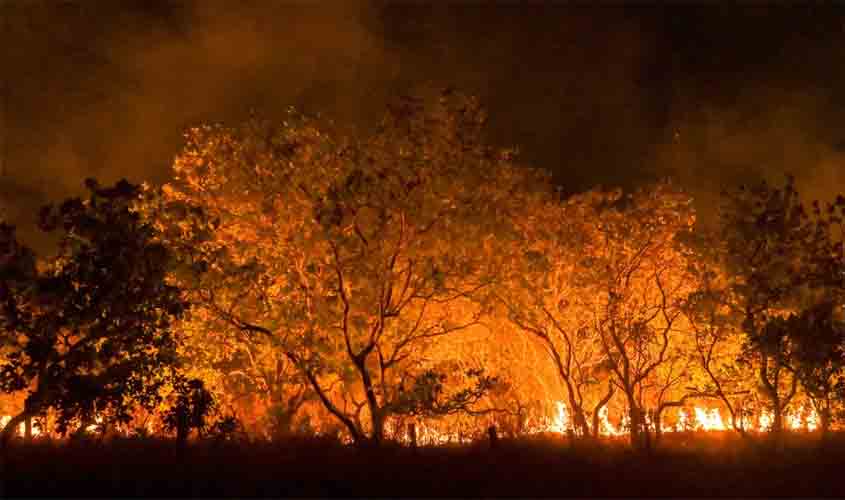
[(613, 96)]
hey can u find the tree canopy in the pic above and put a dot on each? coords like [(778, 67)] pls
[(305, 280), (88, 332)]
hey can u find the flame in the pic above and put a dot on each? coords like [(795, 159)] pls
[(709, 420), (21, 427), (700, 418), (812, 421), (561, 423), (683, 420), (764, 421), (607, 428)]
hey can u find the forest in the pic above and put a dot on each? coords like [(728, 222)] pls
[(416, 288)]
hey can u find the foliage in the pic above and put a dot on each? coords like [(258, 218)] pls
[(351, 257), (717, 338), (428, 395), (192, 406), (414, 275), (89, 330), (777, 259), (540, 300), (632, 279), (818, 338)]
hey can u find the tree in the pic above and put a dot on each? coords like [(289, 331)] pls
[(89, 330), (192, 406), (632, 279), (818, 331), (247, 375), (766, 239), (539, 301), (352, 256), (717, 339), (818, 336)]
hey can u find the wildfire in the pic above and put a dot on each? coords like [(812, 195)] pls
[(699, 419), (560, 424), (812, 421), (21, 427), (606, 427), (683, 420), (764, 421), (709, 420)]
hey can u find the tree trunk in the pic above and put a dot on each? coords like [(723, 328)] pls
[(378, 427), (658, 423), (599, 407), (771, 391), (412, 434), (735, 423), (634, 421), (351, 427), (580, 428), (28, 429), (777, 421), (183, 428), (578, 419), (376, 416), (182, 434), (646, 431)]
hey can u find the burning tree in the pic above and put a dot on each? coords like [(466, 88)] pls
[(632, 279), (540, 302), (351, 257), (717, 342)]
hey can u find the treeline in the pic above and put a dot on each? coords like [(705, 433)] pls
[(298, 281)]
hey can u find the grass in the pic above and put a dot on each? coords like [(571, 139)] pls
[(684, 465)]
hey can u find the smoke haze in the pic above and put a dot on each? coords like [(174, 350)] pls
[(612, 96)]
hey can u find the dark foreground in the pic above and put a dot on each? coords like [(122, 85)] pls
[(684, 466)]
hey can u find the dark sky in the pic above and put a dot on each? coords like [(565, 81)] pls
[(613, 96)]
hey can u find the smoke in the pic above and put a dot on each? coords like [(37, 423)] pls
[(615, 97), (105, 89), (718, 148)]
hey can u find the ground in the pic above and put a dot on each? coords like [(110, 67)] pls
[(686, 465)]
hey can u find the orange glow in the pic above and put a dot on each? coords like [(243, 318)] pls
[(21, 428), (709, 420), (698, 419)]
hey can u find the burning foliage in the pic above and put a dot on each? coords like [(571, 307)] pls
[(418, 286)]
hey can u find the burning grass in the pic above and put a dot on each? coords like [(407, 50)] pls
[(686, 464)]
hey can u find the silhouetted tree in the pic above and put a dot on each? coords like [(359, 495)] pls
[(765, 233), (88, 331), (190, 410), (785, 270), (818, 337)]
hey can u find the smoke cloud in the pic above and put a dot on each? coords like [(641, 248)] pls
[(598, 96)]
